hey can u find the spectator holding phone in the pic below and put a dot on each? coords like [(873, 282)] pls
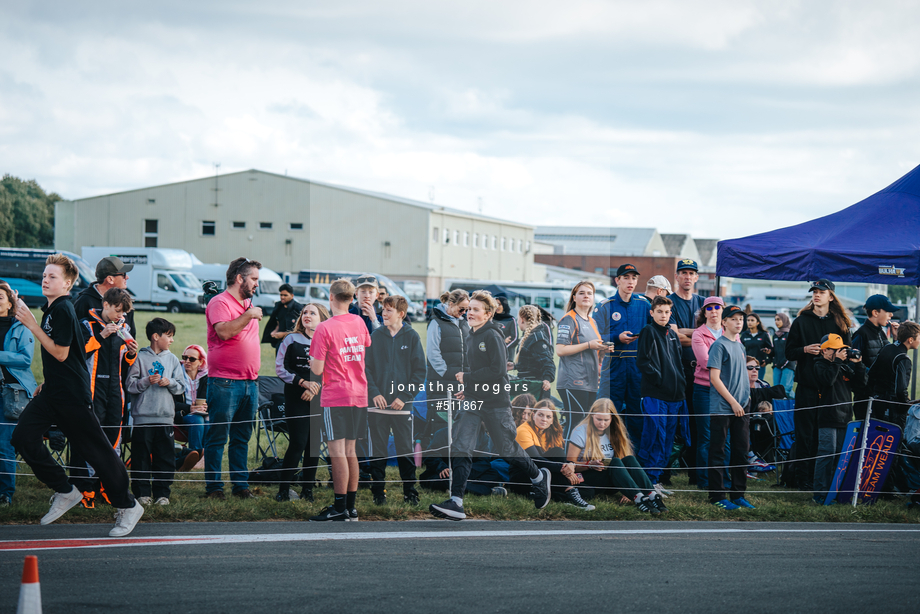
[(619, 320), (579, 346)]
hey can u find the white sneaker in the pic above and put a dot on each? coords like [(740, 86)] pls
[(126, 520), (162, 501), (663, 492), (61, 503), (144, 500)]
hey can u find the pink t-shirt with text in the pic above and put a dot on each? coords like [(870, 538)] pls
[(340, 342), (238, 357)]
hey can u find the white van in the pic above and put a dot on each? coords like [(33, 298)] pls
[(161, 278), (269, 282)]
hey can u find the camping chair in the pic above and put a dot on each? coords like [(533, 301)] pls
[(772, 435), (270, 422)]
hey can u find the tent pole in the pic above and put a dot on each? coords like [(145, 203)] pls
[(913, 380), (719, 287)]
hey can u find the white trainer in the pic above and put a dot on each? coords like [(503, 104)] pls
[(162, 501), (126, 520), (144, 500), (61, 503)]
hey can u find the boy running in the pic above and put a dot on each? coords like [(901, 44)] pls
[(65, 399), (337, 354)]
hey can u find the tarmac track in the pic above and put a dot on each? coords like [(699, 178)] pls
[(441, 566)]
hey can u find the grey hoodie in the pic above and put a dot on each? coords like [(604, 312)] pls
[(153, 404)]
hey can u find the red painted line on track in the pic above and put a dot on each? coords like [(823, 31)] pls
[(45, 544)]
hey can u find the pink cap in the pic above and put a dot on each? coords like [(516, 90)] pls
[(714, 300)]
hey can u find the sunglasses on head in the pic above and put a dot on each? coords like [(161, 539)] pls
[(189, 358), (713, 307), (366, 280)]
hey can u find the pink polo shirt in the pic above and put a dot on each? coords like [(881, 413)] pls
[(238, 357)]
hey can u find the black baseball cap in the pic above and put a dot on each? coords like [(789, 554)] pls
[(688, 265), (626, 268), (731, 310), (111, 265), (821, 284), (879, 301)]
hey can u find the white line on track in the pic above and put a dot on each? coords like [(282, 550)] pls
[(179, 540)]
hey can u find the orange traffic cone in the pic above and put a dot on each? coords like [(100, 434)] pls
[(30, 594)]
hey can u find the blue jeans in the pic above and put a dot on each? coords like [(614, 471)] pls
[(7, 457), (784, 378), (197, 430), (701, 407), (232, 401)]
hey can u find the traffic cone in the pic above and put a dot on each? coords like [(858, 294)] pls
[(30, 593)]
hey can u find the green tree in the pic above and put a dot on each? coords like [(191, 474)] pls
[(901, 294), (26, 213)]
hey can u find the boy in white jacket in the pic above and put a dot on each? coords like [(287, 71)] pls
[(154, 378)]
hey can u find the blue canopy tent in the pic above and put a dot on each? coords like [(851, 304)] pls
[(877, 240)]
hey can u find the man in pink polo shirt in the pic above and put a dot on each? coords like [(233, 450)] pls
[(337, 353), (234, 358)]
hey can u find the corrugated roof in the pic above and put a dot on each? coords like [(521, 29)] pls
[(674, 243), (399, 199), (599, 240), (707, 250)]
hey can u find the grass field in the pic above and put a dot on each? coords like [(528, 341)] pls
[(188, 504)]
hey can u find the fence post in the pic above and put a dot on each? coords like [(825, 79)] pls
[(862, 453), (450, 441)]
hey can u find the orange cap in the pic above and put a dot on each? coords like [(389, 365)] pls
[(30, 570)]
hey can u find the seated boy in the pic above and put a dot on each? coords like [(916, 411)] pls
[(837, 377), (110, 352), (395, 359), (761, 408), (155, 377)]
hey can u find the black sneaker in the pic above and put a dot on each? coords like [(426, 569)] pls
[(449, 510), (352, 515), (329, 513), (283, 495), (380, 498), (573, 497), (411, 497), (307, 495), (540, 491), (645, 505), (658, 502)]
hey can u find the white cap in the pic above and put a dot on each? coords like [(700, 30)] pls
[(659, 281)]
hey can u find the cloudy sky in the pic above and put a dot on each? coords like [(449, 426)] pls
[(719, 118)]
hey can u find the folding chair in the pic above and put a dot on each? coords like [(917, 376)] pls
[(773, 434), (270, 422)]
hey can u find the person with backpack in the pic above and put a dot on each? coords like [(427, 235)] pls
[(579, 346)]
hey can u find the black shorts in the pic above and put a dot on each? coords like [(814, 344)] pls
[(345, 422)]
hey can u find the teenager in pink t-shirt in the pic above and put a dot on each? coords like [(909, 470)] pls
[(234, 358), (337, 353)]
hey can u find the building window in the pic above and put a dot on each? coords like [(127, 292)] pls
[(520, 246), (434, 234), (265, 225), (475, 239), (466, 239), (456, 237), (151, 201), (494, 242), (208, 229), (151, 232), (447, 236), (599, 270), (296, 226), (527, 247), (503, 243), (239, 226)]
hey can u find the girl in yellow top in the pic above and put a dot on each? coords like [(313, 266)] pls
[(600, 448), (541, 437)]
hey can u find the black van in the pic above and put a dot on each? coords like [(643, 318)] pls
[(22, 269)]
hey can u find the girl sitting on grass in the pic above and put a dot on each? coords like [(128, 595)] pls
[(541, 437), (600, 448)]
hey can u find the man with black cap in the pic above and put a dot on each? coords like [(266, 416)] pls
[(111, 272), (619, 320), (870, 339), (823, 315), (686, 309)]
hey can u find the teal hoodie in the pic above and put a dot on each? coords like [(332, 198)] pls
[(154, 404)]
